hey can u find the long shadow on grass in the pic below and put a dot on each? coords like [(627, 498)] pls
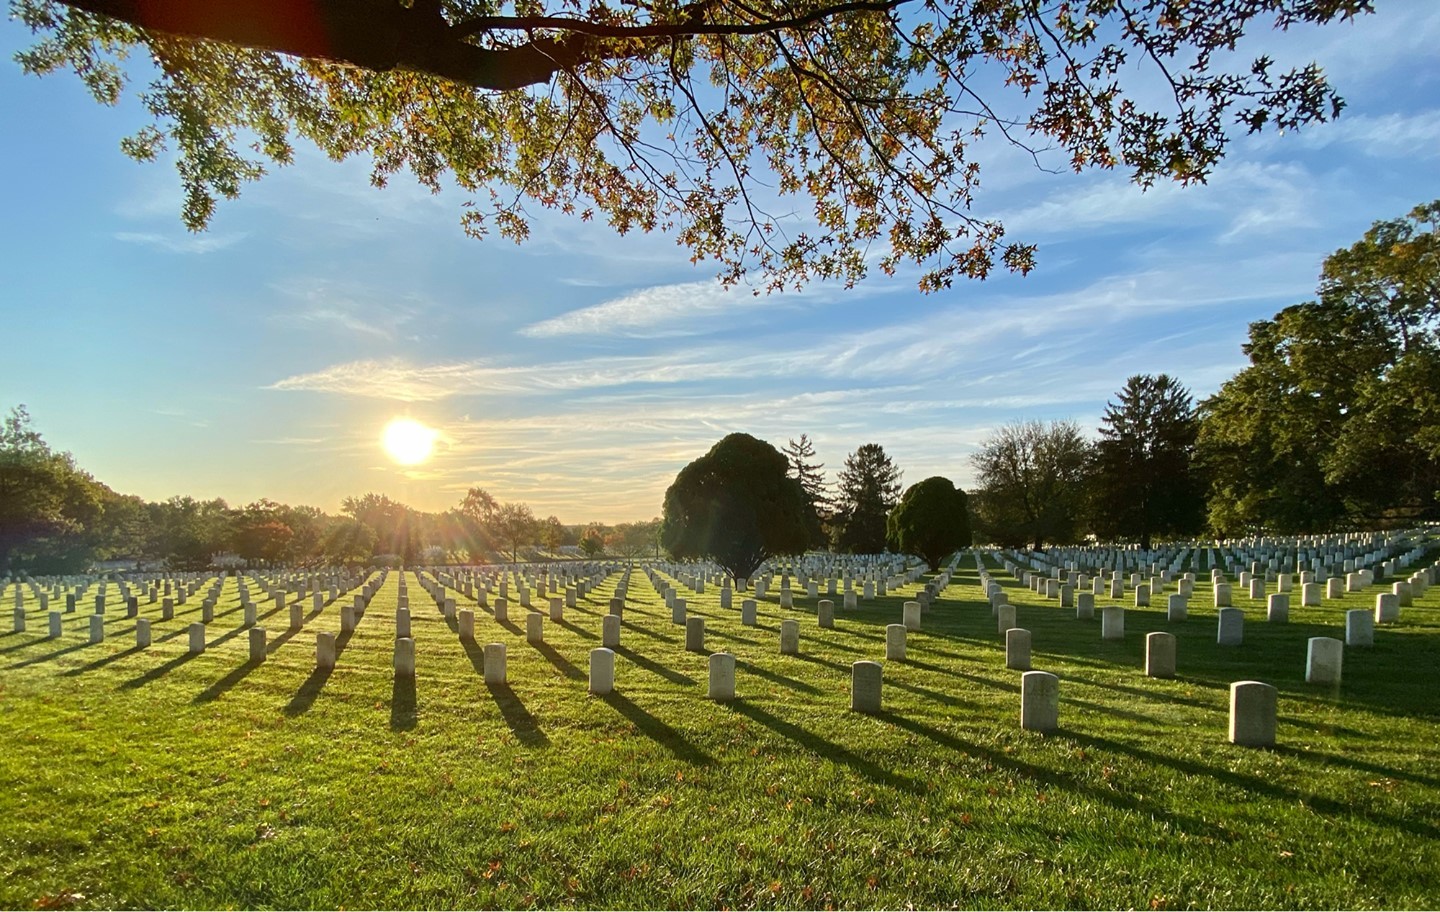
[(102, 662), (1049, 777), (158, 671), (750, 668), (827, 750), (645, 631), (580, 631), (525, 726), (562, 664), (220, 687), (656, 730), (305, 697), (1321, 804), (50, 656), (669, 674), (404, 713)]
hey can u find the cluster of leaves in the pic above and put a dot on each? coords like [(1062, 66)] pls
[(858, 120)]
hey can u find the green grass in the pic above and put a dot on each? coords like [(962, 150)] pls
[(147, 778)]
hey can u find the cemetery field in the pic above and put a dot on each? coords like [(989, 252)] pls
[(157, 778)]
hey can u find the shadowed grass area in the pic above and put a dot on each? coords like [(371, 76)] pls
[(154, 778)]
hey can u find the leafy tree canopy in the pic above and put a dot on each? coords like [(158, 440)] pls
[(1034, 482), (1336, 419), (736, 505), (703, 118), (931, 520)]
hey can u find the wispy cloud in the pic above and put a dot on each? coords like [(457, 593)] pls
[(184, 244), (365, 311), (661, 310)]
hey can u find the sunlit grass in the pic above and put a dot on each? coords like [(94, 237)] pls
[(147, 778)]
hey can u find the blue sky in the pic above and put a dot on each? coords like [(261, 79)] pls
[(580, 371)]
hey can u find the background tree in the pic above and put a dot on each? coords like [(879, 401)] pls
[(1143, 478), (1335, 420), (634, 539), (663, 115), (552, 533), (736, 505), (811, 475), (869, 488), (932, 520), (46, 502), (1034, 482), (348, 541), (512, 527), (396, 525)]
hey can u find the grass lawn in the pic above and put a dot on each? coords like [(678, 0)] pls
[(152, 778)]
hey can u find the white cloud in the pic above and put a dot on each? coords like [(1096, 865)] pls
[(187, 244)]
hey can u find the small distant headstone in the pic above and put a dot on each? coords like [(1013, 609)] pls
[(1387, 608), (257, 644), (1323, 660), (894, 642), (466, 623), (1230, 630), (324, 649), (1160, 655), (602, 670), (1040, 701), (197, 639), (1006, 619), (747, 612), (405, 657), (1112, 622), (1085, 605), (55, 625), (722, 676), (97, 628), (789, 637), (1310, 594), (1277, 608), (910, 615), (610, 631), (825, 613), (347, 618), (534, 627), (402, 622), (1017, 649), (495, 663), (1142, 595), (865, 684), (695, 634), (1177, 608), (142, 632), (1253, 713), (19, 625), (677, 612), (502, 609), (1334, 588), (1359, 627), (1222, 595)]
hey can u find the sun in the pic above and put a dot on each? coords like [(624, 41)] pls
[(407, 441)]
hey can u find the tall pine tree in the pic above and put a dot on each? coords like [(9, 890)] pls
[(811, 475), (1144, 481), (869, 489)]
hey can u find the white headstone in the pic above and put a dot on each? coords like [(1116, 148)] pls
[(1160, 655), (1323, 660), (865, 685), (1040, 701), (602, 670), (1253, 713), (722, 676)]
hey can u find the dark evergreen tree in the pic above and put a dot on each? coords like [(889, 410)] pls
[(1143, 480), (736, 505), (931, 520), (869, 489), (811, 475)]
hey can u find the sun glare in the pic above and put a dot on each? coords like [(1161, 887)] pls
[(407, 441)]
